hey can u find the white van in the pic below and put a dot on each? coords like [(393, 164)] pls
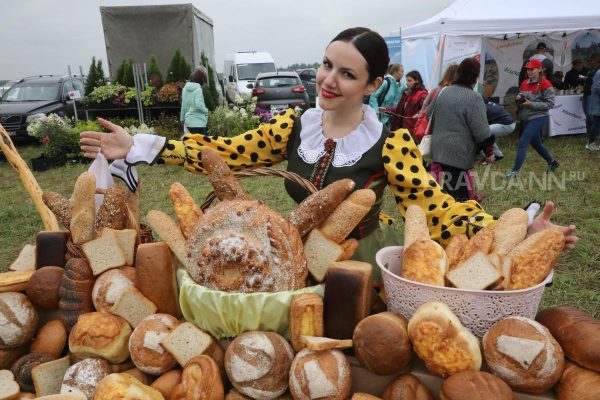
[(240, 70)]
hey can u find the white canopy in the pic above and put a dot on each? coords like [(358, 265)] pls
[(499, 17)]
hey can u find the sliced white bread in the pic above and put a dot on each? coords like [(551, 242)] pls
[(322, 343), (126, 238), (320, 251), (25, 260), (504, 265), (47, 377), (133, 306), (9, 388), (104, 253), (186, 342), (476, 272)]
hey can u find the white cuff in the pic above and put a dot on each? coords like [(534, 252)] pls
[(146, 148), (128, 173), (531, 210)]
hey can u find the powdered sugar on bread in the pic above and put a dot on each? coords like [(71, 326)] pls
[(318, 384)]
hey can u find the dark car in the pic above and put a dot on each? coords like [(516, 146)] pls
[(32, 97), (279, 90), (308, 76)]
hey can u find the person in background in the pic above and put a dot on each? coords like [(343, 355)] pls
[(194, 114), (557, 80), (388, 94), (410, 104), (593, 103), (545, 58), (535, 99), (501, 124), (577, 75)]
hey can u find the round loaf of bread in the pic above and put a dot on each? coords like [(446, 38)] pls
[(200, 375), (406, 387), (258, 364), (51, 339), (23, 366), (99, 334), (18, 320), (524, 354), (381, 343), (167, 381), (42, 288), (475, 385), (124, 386), (84, 376), (144, 344), (110, 286), (323, 375), (578, 383)]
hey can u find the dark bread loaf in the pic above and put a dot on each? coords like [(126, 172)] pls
[(577, 332), (23, 366), (51, 249), (42, 288), (75, 291)]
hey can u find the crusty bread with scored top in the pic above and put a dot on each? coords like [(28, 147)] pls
[(25, 259), (321, 251), (187, 211), (83, 208), (415, 225), (104, 253), (425, 261), (323, 343), (186, 342), (169, 233), (133, 306), (347, 215), (9, 388), (126, 238), (510, 230), (476, 273), (48, 377)]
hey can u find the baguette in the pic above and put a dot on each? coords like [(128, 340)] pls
[(510, 230), (187, 211), (83, 208), (347, 215), (415, 225), (225, 184), (170, 233)]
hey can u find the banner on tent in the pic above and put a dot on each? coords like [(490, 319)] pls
[(394, 44), (457, 48)]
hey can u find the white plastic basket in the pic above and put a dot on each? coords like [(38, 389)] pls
[(478, 310)]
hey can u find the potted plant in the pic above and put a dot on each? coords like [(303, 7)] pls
[(59, 139)]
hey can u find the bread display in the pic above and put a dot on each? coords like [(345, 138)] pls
[(51, 339), (338, 225), (66, 396), (306, 318), (15, 281), (167, 381), (133, 306), (25, 260), (475, 385), (43, 286), (156, 267), (47, 377), (200, 380), (139, 375), (347, 298), (258, 364), (84, 376), (363, 396), (455, 250), (102, 335), (124, 387), (476, 272), (23, 366), (83, 208), (60, 206), (323, 343), (169, 232), (441, 341), (381, 343), (425, 262), (127, 239), (104, 252), (482, 242), (577, 332), (320, 375), (144, 344), (320, 252), (76, 285), (415, 225), (524, 354), (9, 388), (112, 212), (51, 249), (9, 356), (577, 383), (187, 341), (406, 387), (18, 320), (110, 285), (510, 230), (187, 211)]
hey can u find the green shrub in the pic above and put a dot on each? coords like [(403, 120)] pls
[(210, 92), (154, 74), (179, 69), (167, 125), (125, 73), (225, 121), (105, 94), (95, 76)]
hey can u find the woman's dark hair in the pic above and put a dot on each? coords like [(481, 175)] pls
[(199, 76), (468, 72), (371, 46), (416, 76)]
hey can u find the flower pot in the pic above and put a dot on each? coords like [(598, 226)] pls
[(43, 163)]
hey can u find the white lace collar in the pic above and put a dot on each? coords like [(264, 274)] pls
[(349, 149)]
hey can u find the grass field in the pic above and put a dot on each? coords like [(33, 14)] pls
[(574, 189)]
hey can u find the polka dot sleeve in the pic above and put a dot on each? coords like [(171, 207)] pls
[(411, 184), (261, 147)]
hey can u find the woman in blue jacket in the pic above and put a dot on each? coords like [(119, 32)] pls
[(194, 114)]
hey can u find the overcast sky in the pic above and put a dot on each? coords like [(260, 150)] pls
[(43, 36)]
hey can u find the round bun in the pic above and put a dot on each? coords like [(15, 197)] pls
[(407, 387), (110, 285), (50, 339), (124, 386), (144, 344), (475, 385), (84, 376), (18, 320), (381, 343), (167, 381), (23, 366), (42, 288), (258, 364), (524, 354), (323, 375)]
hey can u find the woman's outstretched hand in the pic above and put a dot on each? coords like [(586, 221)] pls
[(542, 222), (114, 144)]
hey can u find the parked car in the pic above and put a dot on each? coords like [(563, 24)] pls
[(5, 86), (242, 68), (35, 96), (308, 76), (279, 90)]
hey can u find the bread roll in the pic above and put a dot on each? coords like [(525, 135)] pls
[(83, 208), (441, 341), (187, 211), (522, 352), (167, 381), (406, 387), (23, 366), (324, 375), (18, 320), (124, 387), (510, 230), (51, 249), (577, 383), (51, 339), (84, 376), (415, 225), (110, 285), (577, 332), (144, 344), (42, 288), (112, 213), (306, 317), (347, 215), (103, 335), (201, 380), (424, 261), (381, 343), (258, 364), (475, 385)]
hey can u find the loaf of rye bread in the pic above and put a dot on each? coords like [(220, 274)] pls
[(113, 211), (75, 291)]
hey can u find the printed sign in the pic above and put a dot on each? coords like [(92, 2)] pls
[(394, 44), (74, 95)]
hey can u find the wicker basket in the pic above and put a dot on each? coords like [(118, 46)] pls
[(478, 310)]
